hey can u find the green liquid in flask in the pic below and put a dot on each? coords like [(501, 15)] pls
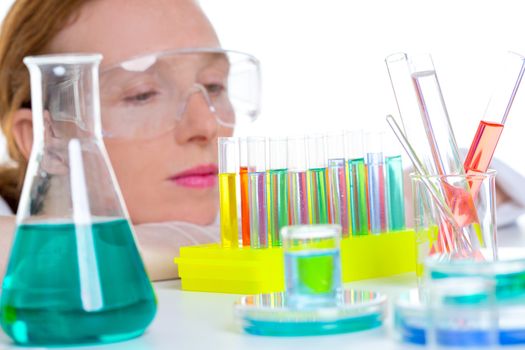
[(54, 293)]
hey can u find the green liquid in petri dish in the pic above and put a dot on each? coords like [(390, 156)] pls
[(68, 284)]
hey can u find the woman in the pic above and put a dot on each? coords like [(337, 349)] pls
[(160, 133)]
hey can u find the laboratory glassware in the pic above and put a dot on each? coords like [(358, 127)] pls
[(74, 274)]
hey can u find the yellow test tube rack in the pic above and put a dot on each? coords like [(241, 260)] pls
[(212, 268)]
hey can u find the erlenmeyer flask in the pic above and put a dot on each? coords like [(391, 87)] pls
[(75, 274)]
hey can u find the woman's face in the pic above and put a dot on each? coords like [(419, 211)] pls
[(171, 176)]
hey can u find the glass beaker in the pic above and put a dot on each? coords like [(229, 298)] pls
[(75, 274), (442, 239)]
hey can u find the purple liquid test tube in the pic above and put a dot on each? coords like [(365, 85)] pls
[(298, 200)]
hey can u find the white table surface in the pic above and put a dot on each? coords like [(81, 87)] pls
[(194, 320)]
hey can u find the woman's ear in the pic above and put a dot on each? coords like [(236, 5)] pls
[(23, 130)]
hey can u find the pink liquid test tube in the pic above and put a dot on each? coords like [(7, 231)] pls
[(490, 128)]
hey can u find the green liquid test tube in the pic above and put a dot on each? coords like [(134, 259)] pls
[(277, 189), (278, 204), (317, 196), (316, 180), (358, 196), (357, 181), (395, 202)]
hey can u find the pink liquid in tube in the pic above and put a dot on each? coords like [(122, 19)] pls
[(481, 151)]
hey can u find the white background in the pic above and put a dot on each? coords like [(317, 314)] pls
[(323, 60)]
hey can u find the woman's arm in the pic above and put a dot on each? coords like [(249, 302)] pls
[(160, 243)]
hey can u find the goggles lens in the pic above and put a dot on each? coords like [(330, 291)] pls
[(145, 96)]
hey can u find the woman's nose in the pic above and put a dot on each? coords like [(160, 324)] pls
[(198, 121)]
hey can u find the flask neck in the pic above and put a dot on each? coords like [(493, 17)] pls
[(65, 97)]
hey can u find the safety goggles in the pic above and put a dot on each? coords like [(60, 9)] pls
[(146, 96)]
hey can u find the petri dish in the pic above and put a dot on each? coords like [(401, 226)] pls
[(508, 275), (411, 322), (270, 314)]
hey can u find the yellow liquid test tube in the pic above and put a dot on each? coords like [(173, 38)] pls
[(228, 210), (228, 166)]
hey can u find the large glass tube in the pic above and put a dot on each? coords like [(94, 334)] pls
[(339, 203), (357, 181), (228, 192), (297, 184), (278, 188), (316, 180), (257, 192)]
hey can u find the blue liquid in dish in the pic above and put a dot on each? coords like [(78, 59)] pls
[(292, 329)]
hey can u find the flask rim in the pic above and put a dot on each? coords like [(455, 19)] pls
[(67, 58)]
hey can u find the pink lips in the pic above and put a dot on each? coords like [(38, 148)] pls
[(202, 176)]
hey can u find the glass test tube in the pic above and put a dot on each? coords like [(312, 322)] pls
[(316, 180), (278, 189), (376, 183), (408, 106), (394, 186), (435, 116), (490, 128), (245, 200), (298, 201), (357, 182), (257, 192), (228, 192), (312, 265), (339, 201)]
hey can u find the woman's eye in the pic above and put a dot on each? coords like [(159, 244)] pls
[(215, 89), (139, 98)]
